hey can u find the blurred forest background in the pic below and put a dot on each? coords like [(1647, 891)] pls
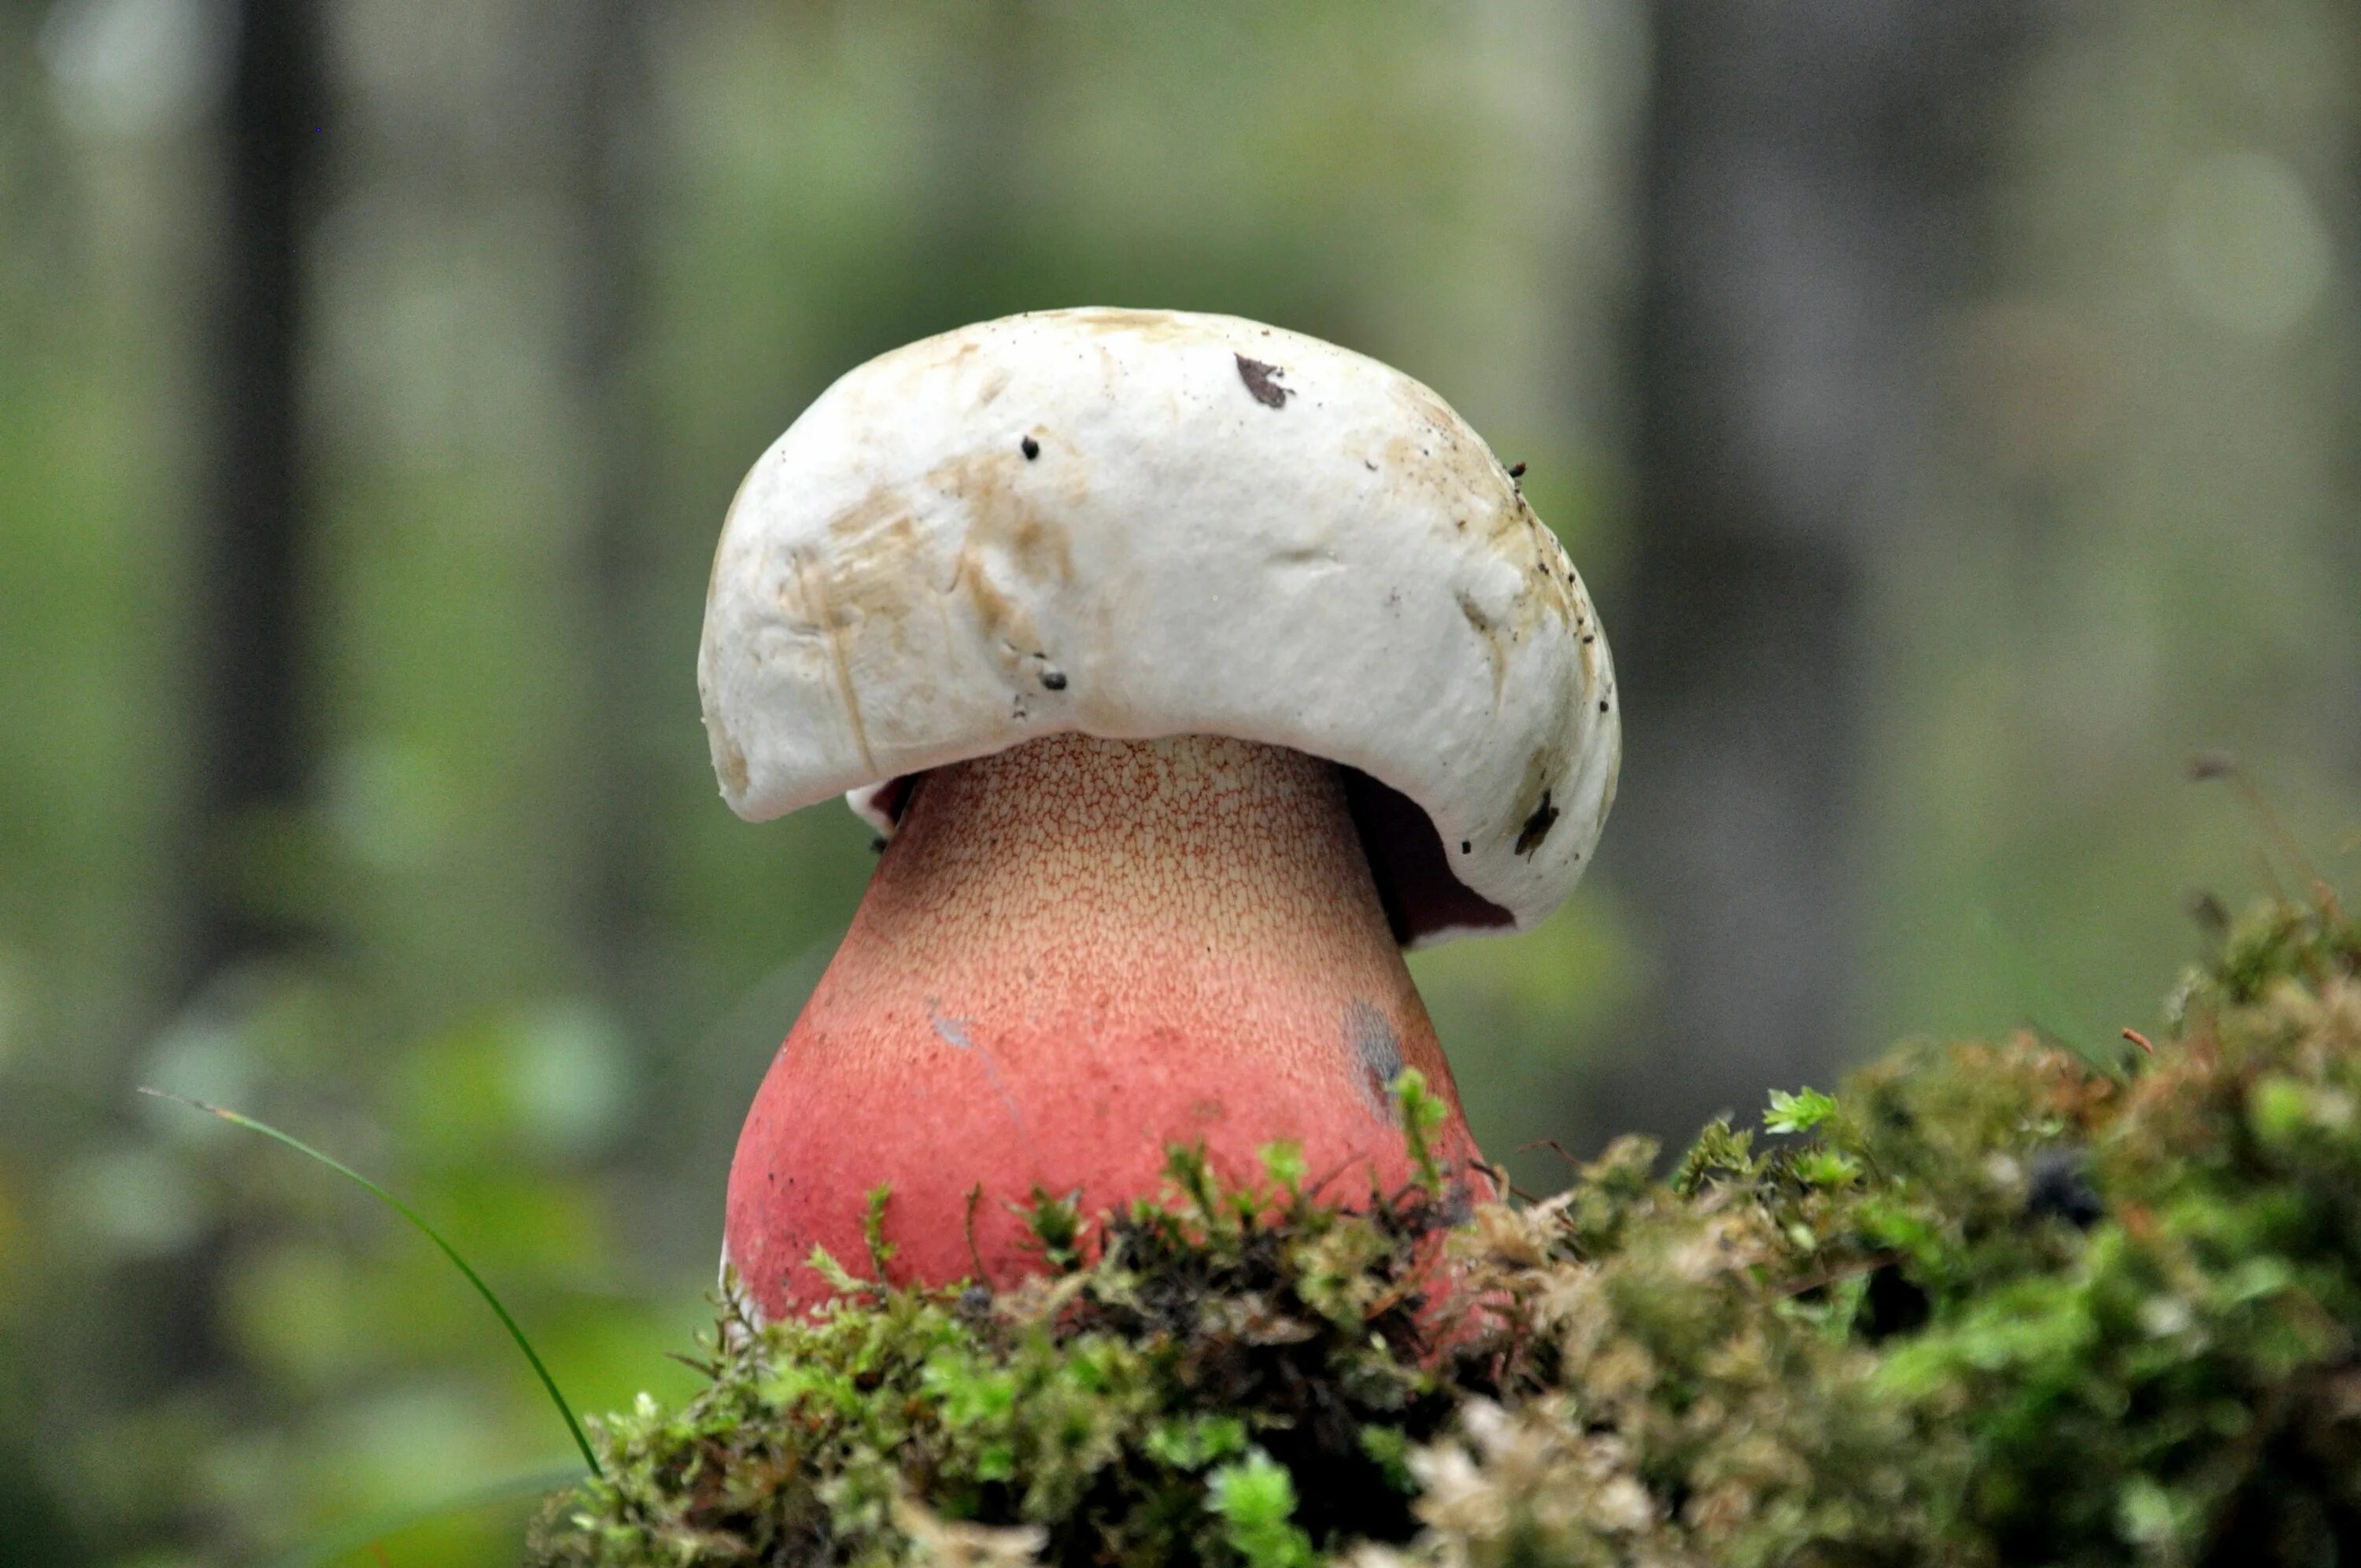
[(1952, 409)]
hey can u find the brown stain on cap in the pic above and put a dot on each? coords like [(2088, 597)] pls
[(876, 564), (732, 761), (834, 624), (1153, 326), (1009, 538)]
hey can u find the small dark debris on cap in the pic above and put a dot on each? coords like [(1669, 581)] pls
[(1031, 447), (1260, 382), (1055, 680), (1516, 470), (1537, 826)]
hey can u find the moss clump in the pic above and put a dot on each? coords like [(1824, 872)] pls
[(1989, 1304)]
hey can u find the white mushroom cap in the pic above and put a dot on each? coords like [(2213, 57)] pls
[(1141, 524)]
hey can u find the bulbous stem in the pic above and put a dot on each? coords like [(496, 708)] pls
[(1073, 954)]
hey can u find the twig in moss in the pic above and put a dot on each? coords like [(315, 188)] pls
[(1332, 1173), (708, 1370), (2221, 765), (1554, 1147), (1839, 1272), (429, 1231), (975, 1253), (1498, 1176)]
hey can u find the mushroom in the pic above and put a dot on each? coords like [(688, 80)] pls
[(1193, 668)]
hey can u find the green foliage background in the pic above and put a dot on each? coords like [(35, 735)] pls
[(2131, 536)]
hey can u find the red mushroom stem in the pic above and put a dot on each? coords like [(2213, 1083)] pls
[(1074, 954)]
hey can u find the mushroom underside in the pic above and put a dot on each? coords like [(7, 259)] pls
[(1408, 859)]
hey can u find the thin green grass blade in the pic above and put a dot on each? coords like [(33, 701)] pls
[(364, 1533), (429, 1231)]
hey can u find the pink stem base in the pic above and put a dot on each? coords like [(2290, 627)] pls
[(1073, 954)]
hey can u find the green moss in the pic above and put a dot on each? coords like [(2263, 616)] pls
[(1988, 1305)]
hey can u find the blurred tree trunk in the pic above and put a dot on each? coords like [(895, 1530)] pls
[(252, 738), (1807, 199), (601, 90)]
